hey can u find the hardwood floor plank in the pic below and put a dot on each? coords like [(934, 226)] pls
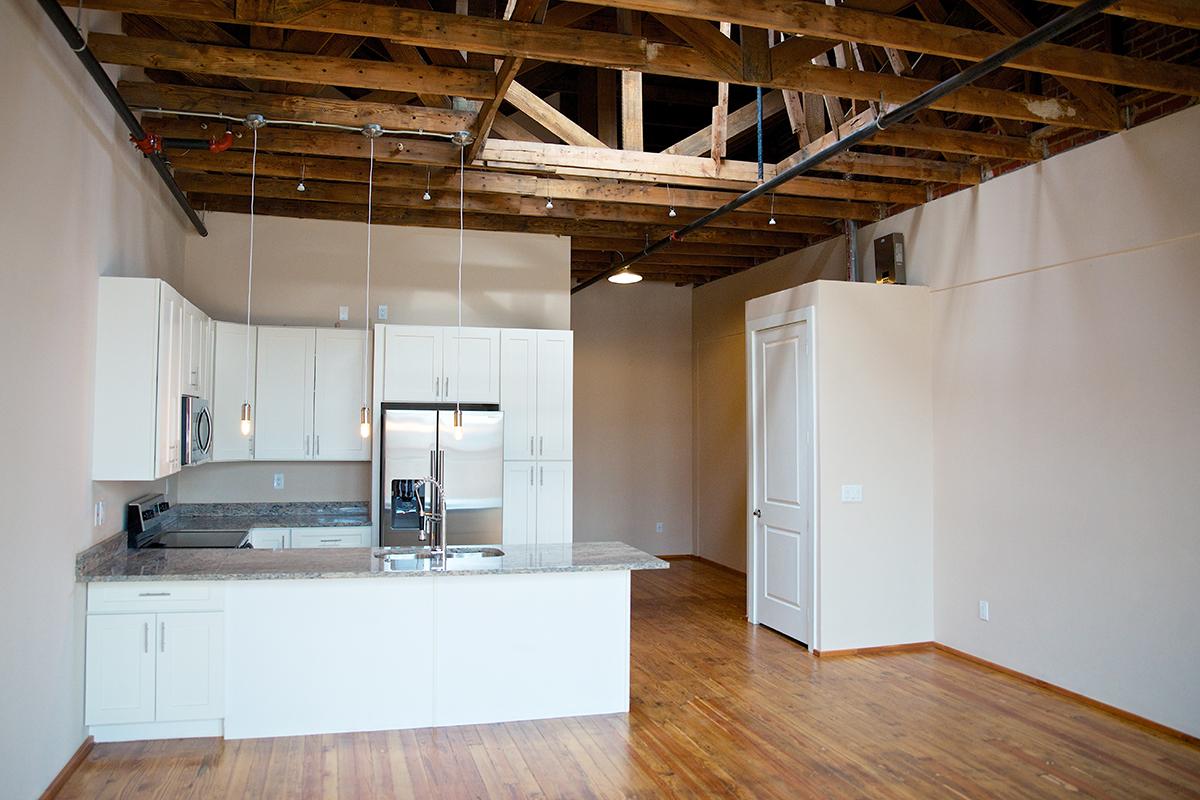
[(719, 708)]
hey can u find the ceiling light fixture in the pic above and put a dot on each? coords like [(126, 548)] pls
[(771, 221), (253, 122), (625, 276), (549, 200), (670, 203), (426, 196), (300, 185), (372, 132), (462, 139)]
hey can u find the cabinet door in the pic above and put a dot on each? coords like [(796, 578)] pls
[(190, 673), (270, 538), (554, 502), (412, 364), (206, 358), (518, 392), (192, 349), (170, 389), (283, 414), (555, 373), (520, 502), (229, 389), (353, 536), (476, 378), (119, 669), (340, 392)]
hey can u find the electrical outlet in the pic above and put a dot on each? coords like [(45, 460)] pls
[(278, 481), (383, 312), (658, 527), (98, 513), (983, 610), (343, 313), (852, 493)]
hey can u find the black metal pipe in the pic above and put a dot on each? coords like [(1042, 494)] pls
[(1053, 28), (77, 44)]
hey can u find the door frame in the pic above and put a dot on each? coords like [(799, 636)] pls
[(754, 327)]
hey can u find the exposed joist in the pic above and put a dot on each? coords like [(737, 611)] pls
[(1183, 13), (550, 117), (506, 72), (308, 109), (628, 245), (631, 111), (245, 63), (589, 48), (739, 121)]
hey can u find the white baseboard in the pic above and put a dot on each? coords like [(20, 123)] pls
[(138, 731)]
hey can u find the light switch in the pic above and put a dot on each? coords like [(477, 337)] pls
[(852, 493), (658, 527), (383, 312), (343, 313), (278, 481)]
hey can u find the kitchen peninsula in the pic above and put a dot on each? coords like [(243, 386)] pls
[(250, 643)]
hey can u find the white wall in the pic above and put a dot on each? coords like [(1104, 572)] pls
[(304, 269), (873, 428), (78, 203), (1066, 443), (633, 415)]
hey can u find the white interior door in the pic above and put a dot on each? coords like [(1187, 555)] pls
[(782, 491)]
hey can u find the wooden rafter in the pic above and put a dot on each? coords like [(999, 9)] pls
[(1183, 13), (550, 117)]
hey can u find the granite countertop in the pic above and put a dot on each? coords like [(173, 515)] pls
[(244, 516), (356, 562)]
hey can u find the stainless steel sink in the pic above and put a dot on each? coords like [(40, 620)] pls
[(457, 557)]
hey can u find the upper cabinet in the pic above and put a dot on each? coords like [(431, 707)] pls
[(423, 364), (341, 391), (139, 380), (536, 394), (196, 350), (283, 414), (232, 384)]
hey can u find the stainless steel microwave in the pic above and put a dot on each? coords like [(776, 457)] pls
[(196, 436)]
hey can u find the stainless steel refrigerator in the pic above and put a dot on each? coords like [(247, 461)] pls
[(416, 442)]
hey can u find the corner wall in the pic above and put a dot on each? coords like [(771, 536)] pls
[(79, 203)]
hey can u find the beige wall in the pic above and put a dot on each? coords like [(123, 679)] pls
[(305, 269), (633, 415), (719, 393), (78, 203)]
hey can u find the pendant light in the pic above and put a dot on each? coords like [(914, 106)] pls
[(372, 132), (625, 276), (253, 122), (670, 202), (771, 221), (300, 185), (462, 139), (427, 196)]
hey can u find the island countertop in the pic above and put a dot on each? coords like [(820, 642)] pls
[(355, 562)]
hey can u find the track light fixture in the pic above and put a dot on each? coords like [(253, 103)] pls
[(300, 185), (771, 221), (426, 196), (670, 203), (549, 202)]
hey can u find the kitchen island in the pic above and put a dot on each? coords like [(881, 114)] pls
[(250, 643)]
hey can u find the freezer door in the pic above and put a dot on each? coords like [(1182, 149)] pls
[(473, 477), (408, 439)]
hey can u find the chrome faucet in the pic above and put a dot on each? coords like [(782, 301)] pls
[(433, 523)]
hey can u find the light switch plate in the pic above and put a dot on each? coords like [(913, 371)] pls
[(984, 611), (383, 312), (343, 313), (278, 481), (99, 513), (658, 527), (852, 493)]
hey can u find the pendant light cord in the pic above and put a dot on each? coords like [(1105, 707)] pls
[(250, 270), (458, 350), (367, 299)]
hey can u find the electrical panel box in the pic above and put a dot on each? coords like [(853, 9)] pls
[(889, 259)]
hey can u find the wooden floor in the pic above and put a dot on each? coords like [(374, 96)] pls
[(719, 709)]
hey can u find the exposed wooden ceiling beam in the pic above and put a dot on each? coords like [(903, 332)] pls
[(1183, 13), (550, 117), (628, 245), (841, 23), (516, 11), (480, 181), (589, 48), (244, 63), (739, 121), (307, 109)]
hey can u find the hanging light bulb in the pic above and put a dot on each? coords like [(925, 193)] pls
[(458, 424), (549, 203), (253, 122), (671, 213), (771, 221), (625, 276), (462, 139), (670, 202), (372, 132), (426, 196), (300, 185)]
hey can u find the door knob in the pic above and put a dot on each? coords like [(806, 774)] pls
[(758, 512)]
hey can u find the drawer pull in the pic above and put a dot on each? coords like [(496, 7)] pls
[(154, 594), (146, 637), (162, 637), (328, 541)]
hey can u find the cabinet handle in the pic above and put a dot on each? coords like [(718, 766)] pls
[(162, 637), (437, 384), (447, 394), (531, 475), (541, 476), (318, 444), (307, 441), (328, 541), (541, 445), (154, 594), (145, 637)]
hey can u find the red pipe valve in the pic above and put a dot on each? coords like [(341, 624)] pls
[(150, 144)]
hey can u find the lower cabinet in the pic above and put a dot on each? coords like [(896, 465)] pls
[(283, 538), (154, 667), (537, 502)]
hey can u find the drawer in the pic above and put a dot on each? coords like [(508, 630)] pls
[(331, 537), (142, 597)]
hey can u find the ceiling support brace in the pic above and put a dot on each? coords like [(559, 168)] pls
[(77, 44), (1054, 27)]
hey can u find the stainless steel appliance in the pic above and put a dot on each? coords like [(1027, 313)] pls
[(197, 431), (418, 442), (149, 524)]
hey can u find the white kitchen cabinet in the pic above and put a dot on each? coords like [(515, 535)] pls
[(120, 668), (170, 385), (194, 350), (283, 411), (344, 536), (537, 502), (476, 377), (536, 394), (412, 359), (339, 396), (271, 538), (229, 389), (190, 667), (421, 364)]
